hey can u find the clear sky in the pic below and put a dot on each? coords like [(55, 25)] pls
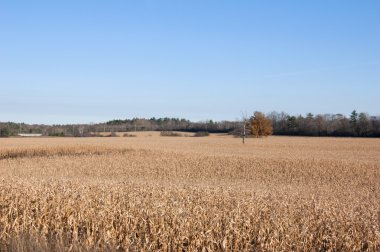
[(91, 61)]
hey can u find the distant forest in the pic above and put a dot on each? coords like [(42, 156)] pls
[(356, 125)]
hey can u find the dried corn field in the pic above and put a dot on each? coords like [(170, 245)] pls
[(151, 193)]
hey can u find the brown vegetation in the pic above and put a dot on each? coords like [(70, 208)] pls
[(260, 125), (201, 134), (170, 133), (155, 193)]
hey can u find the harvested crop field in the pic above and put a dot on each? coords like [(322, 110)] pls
[(152, 193)]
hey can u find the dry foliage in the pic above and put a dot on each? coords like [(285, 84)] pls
[(192, 194), (261, 125)]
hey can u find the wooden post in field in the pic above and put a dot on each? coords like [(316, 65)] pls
[(244, 133), (244, 117)]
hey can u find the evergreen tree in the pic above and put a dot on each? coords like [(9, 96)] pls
[(4, 132), (309, 116), (291, 123), (354, 117), (354, 122)]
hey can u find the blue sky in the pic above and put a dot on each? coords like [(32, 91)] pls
[(91, 61)]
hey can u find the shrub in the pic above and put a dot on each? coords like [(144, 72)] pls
[(56, 134), (128, 135), (170, 133), (201, 134)]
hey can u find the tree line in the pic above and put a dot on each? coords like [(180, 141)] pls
[(355, 125), (118, 125)]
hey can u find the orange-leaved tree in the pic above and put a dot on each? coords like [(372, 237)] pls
[(260, 125)]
